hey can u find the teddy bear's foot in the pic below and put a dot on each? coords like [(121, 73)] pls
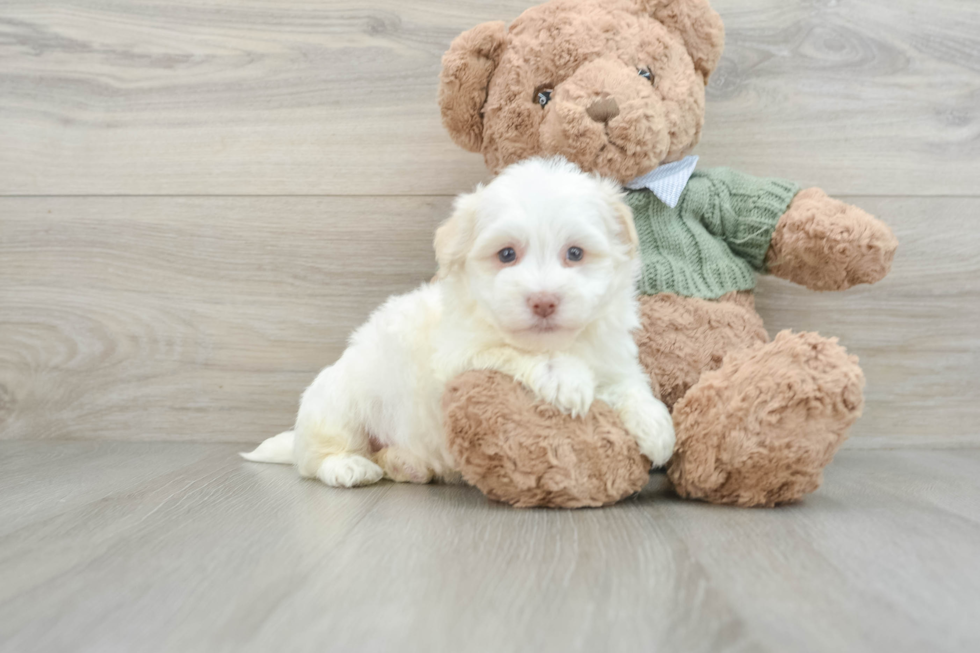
[(759, 430)]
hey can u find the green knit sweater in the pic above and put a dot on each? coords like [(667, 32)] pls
[(715, 240)]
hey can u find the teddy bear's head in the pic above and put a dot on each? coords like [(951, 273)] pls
[(616, 86)]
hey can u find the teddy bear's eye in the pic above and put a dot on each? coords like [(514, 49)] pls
[(645, 74), (544, 96)]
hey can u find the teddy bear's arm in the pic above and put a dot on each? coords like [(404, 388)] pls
[(562, 380), (644, 416), (825, 244)]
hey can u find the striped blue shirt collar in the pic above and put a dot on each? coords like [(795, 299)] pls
[(667, 181)]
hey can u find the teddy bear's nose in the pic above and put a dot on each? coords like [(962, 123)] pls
[(603, 110)]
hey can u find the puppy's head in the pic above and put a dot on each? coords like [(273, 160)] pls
[(541, 252)]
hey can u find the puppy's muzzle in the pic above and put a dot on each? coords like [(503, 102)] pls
[(543, 304)]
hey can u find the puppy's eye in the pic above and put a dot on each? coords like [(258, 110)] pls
[(543, 97), (507, 255), (645, 74), (575, 254)]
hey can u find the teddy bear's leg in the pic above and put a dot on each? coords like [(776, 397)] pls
[(683, 337), (759, 430)]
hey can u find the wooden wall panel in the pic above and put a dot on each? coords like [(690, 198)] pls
[(316, 97), (204, 318), (189, 318)]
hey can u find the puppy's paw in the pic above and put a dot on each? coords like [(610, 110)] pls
[(649, 421), (348, 470), (402, 466), (566, 383)]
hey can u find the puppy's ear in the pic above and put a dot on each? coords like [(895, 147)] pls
[(698, 25), (454, 237), (465, 77), (624, 218), (625, 227)]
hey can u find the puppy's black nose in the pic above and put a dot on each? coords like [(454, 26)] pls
[(543, 304), (603, 110)]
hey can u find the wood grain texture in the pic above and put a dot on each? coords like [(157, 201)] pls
[(190, 318), (162, 316), (184, 547), (204, 318), (300, 97)]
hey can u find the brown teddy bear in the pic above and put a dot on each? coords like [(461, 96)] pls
[(618, 87)]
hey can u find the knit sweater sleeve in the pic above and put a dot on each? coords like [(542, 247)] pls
[(740, 209)]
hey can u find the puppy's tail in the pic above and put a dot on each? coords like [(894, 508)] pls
[(277, 449)]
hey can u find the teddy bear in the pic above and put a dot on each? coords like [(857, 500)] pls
[(618, 88)]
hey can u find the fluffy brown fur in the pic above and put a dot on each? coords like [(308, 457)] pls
[(825, 244), (585, 51), (756, 421), (525, 452), (466, 71), (759, 430), (682, 337)]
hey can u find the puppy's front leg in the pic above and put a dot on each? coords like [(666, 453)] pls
[(563, 381), (645, 417)]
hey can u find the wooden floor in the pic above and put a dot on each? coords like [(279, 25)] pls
[(184, 547), (198, 202)]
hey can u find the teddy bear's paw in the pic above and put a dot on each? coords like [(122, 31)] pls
[(564, 382), (825, 244), (649, 421)]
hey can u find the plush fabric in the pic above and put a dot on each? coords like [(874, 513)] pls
[(527, 453), (466, 71), (698, 25), (759, 430), (715, 240), (825, 244), (756, 420), (584, 50), (681, 338)]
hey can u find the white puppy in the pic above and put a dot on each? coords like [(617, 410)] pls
[(536, 279)]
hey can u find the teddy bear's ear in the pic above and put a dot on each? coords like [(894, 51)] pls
[(698, 24), (466, 71)]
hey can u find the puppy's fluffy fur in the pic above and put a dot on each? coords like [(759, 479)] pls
[(536, 280)]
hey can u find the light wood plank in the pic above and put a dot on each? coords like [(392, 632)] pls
[(203, 319), (338, 97), (206, 552), (26, 501), (861, 97), (839, 568), (193, 319)]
